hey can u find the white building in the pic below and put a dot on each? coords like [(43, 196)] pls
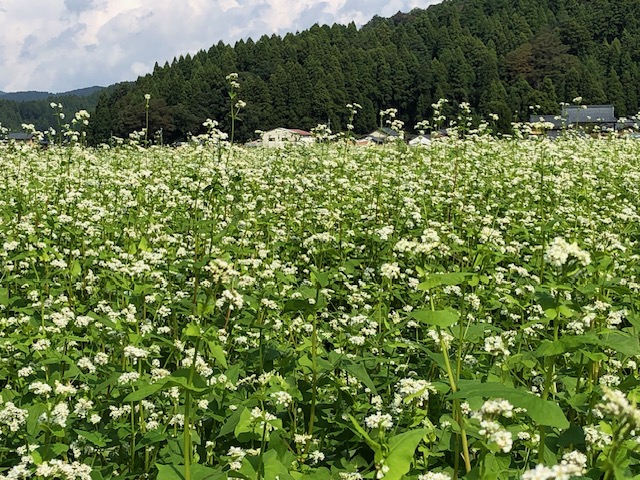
[(280, 137)]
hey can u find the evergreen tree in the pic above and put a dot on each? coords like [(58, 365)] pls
[(615, 93)]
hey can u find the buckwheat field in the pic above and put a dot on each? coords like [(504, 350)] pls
[(466, 309)]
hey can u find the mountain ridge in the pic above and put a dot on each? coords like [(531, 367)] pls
[(29, 95)]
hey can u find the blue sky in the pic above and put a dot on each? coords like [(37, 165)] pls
[(60, 45)]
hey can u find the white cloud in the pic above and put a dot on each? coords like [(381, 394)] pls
[(58, 46), (228, 4)]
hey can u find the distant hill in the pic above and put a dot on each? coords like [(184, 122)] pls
[(35, 95), (24, 96), (34, 107)]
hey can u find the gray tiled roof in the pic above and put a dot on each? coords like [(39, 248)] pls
[(20, 136), (589, 114), (579, 114)]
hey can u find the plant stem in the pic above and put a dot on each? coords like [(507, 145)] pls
[(456, 403), (133, 438), (187, 450), (314, 382), (545, 395), (187, 436), (263, 445)]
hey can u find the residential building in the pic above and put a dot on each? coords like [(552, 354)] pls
[(280, 137)]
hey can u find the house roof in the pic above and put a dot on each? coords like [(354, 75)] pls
[(20, 136), (420, 140), (589, 114), (382, 133), (574, 114), (304, 133), (297, 131), (389, 132)]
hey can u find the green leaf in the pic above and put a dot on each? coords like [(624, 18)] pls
[(151, 437), (565, 311), (193, 330), (321, 278), (198, 472), (36, 457), (321, 473), (273, 468), (375, 446), (95, 438), (621, 342), (594, 356), (218, 353), (4, 296), (203, 472), (540, 411), (569, 343), (170, 472), (545, 299), (297, 305), (143, 245), (33, 419), (144, 391), (75, 269), (281, 447), (401, 452), (180, 378), (56, 448), (360, 372), (494, 466), (244, 424), (231, 423), (573, 436), (437, 279), (438, 318)]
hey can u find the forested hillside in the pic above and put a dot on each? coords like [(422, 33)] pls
[(501, 56), (35, 107)]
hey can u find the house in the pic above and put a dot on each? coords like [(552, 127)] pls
[(381, 135), (280, 137), (588, 117)]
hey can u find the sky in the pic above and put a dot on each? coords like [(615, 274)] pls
[(61, 45)]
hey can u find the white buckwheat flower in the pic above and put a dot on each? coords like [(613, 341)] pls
[(379, 420), (559, 251)]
